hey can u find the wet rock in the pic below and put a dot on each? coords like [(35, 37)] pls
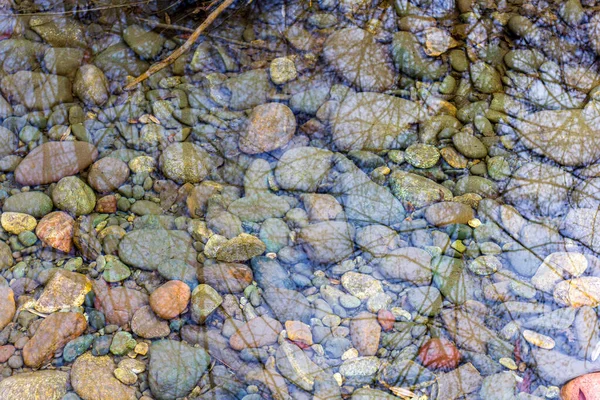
[(359, 59), (36, 204), (365, 332), (58, 31), (417, 190), (539, 189), (467, 330), (52, 334), (7, 306), (288, 304), (439, 353), (587, 333), (557, 368), (303, 168), (581, 224), (63, 61), (170, 299), (296, 366), (146, 44), (552, 270), (16, 223), (118, 61), (376, 240), (364, 121), (422, 155), (410, 58), (327, 242), (372, 394), (146, 324), (586, 386), (20, 54), (248, 89), (52, 161), (56, 231), (204, 301), (65, 289), (452, 279), (459, 382), (448, 213), (469, 145), (361, 285), (405, 373), (426, 300), (485, 78), (175, 368), (92, 378), (107, 174), (118, 304), (226, 277), (241, 248), (270, 273), (37, 91), (50, 385), (270, 127), (148, 248), (415, 265), (299, 332), (476, 184), (282, 70), (90, 85), (578, 292), (258, 332), (8, 142), (71, 194), (185, 162)]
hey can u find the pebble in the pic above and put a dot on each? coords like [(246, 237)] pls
[(270, 127), (422, 155), (107, 174), (64, 290), (56, 230), (578, 292), (93, 378), (257, 332), (146, 324), (282, 70), (365, 332), (47, 384), (539, 340), (170, 299), (125, 376), (439, 353), (73, 195), (299, 332), (17, 223), (204, 301), (361, 286)]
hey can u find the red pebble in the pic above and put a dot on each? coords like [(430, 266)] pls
[(6, 352), (439, 353), (386, 320)]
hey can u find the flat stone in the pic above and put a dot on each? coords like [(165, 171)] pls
[(36, 204), (148, 248), (258, 332), (302, 168), (241, 248), (459, 382), (415, 265), (146, 324), (185, 162), (539, 340), (296, 366), (92, 379), (52, 334), (204, 301), (364, 121), (448, 212), (554, 266), (226, 277), (578, 292), (328, 241), (361, 285), (175, 368), (52, 161), (118, 304), (365, 332), (7, 306), (37, 91), (417, 190), (146, 44), (65, 289), (47, 385), (359, 59), (360, 367), (107, 174)]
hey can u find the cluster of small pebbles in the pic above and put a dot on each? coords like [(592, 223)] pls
[(324, 199)]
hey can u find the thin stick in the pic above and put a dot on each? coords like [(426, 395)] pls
[(181, 50)]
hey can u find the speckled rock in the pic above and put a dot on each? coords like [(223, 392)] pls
[(47, 385), (185, 162), (64, 289), (107, 174), (270, 127), (204, 301), (73, 195), (365, 332), (7, 306), (36, 204), (56, 230), (146, 324), (90, 85), (448, 212), (92, 378), (16, 223)]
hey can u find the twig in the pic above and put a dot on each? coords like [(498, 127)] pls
[(184, 47)]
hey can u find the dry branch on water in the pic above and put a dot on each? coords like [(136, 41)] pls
[(184, 47)]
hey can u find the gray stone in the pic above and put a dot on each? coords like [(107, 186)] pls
[(410, 58), (270, 127), (90, 85), (303, 168), (35, 90), (146, 44), (417, 190), (185, 162), (414, 265), (327, 242)]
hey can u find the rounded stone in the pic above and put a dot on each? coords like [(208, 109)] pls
[(71, 194), (17, 223), (439, 353), (270, 126), (469, 145), (90, 85), (147, 325), (422, 155), (36, 204), (107, 174), (185, 163), (56, 231), (170, 299)]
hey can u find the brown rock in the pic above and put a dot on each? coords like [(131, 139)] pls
[(52, 161), (147, 325), (299, 333), (118, 304), (386, 319), (448, 212), (7, 306), (439, 353), (257, 332), (454, 158), (92, 378), (64, 289), (46, 385), (107, 204), (226, 277), (365, 332), (170, 299), (56, 230), (52, 334), (107, 174), (270, 127), (6, 352)]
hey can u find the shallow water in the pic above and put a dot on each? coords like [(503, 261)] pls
[(321, 200)]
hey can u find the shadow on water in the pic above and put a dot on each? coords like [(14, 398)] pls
[(323, 199)]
